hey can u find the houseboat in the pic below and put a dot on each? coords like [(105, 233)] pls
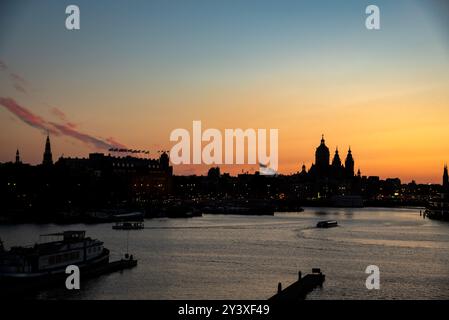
[(438, 209), (48, 259)]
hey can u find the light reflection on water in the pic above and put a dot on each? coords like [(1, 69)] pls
[(244, 257)]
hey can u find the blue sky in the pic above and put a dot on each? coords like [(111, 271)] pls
[(158, 65)]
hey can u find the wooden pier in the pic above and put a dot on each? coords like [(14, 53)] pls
[(299, 289)]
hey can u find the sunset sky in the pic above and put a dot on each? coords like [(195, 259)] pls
[(139, 69)]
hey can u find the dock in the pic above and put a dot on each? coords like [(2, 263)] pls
[(110, 267), (58, 280), (299, 289)]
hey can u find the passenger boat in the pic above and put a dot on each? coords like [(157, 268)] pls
[(438, 209), (48, 259), (327, 224), (128, 225)]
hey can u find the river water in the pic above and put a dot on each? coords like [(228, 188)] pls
[(244, 257)]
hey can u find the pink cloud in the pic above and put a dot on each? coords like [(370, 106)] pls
[(116, 144), (83, 137), (18, 81), (65, 129), (59, 114), (26, 116)]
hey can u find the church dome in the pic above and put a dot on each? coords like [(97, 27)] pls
[(322, 154)]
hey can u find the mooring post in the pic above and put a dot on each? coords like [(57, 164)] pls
[(279, 287), (299, 275)]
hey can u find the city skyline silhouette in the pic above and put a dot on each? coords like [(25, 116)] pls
[(295, 67)]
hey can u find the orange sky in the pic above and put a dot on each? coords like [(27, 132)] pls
[(384, 93)]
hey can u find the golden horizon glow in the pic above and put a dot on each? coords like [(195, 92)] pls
[(385, 93)]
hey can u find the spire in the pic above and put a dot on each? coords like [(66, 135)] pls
[(322, 155), (336, 162), (48, 158), (445, 179), (349, 164), (17, 157)]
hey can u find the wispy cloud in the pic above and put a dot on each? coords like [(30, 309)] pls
[(63, 127), (83, 137), (61, 116), (60, 129), (20, 88), (17, 78), (3, 66), (116, 144), (18, 82), (26, 116)]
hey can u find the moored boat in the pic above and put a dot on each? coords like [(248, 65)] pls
[(47, 260), (438, 208), (128, 225)]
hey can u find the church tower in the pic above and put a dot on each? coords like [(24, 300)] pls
[(48, 158), (445, 179), (164, 161), (18, 157), (349, 164), (322, 156), (336, 162)]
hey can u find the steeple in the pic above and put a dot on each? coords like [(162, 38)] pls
[(445, 179), (164, 160), (336, 162), (349, 164), (48, 158), (322, 155), (18, 157)]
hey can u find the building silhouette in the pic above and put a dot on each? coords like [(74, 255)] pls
[(48, 158), (322, 157), (349, 164), (17, 157), (73, 187), (322, 169), (445, 179)]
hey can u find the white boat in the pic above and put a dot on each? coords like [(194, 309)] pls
[(49, 258)]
